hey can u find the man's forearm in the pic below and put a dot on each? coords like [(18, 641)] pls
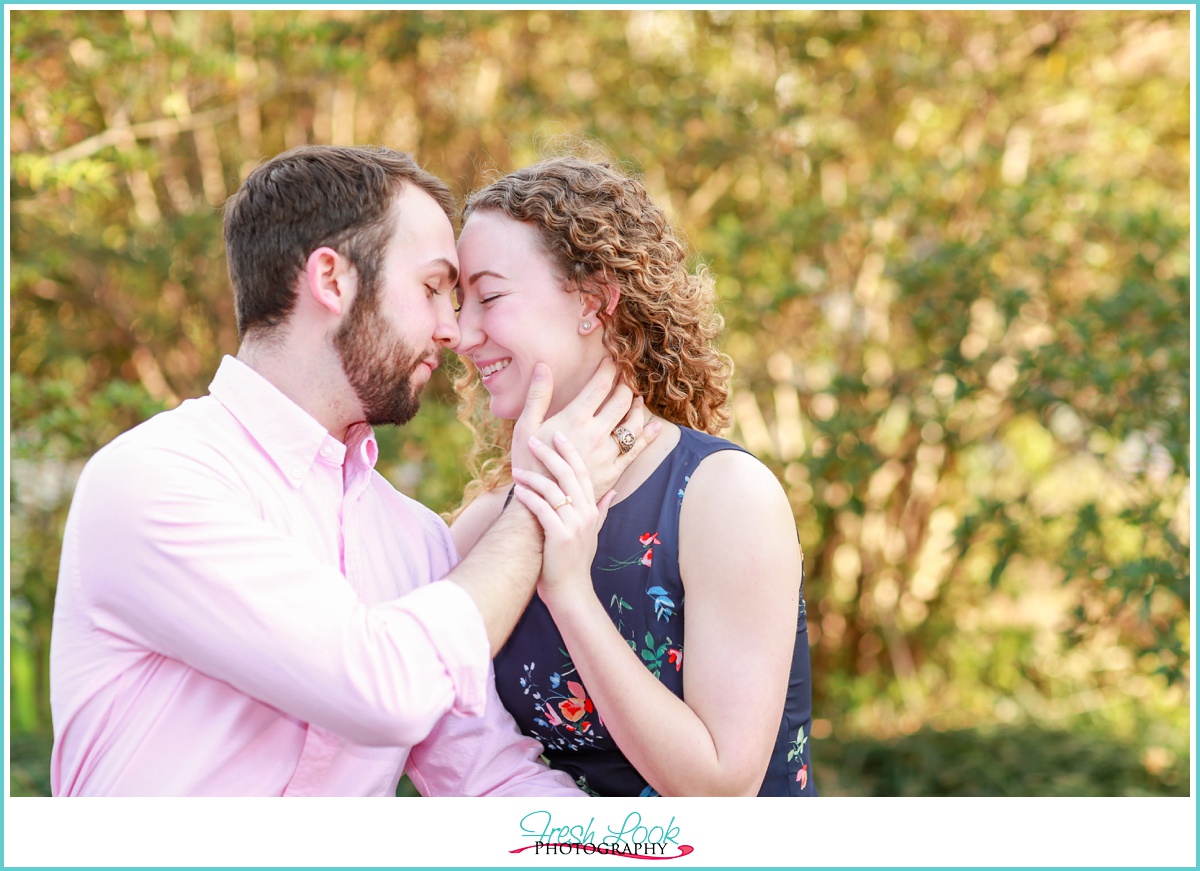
[(501, 571)]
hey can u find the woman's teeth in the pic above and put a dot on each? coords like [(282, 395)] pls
[(494, 367)]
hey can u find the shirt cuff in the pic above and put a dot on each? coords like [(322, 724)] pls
[(454, 625)]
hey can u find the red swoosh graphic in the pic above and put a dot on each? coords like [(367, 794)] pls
[(684, 850)]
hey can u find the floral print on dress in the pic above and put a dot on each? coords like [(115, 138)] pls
[(621, 605), (564, 713), (664, 607), (645, 556), (651, 650), (675, 657), (796, 751)]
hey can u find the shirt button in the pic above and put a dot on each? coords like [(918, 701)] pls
[(325, 452), (296, 474)]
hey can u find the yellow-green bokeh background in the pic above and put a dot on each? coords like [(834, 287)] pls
[(952, 250)]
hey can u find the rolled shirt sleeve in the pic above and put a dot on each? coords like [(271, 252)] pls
[(225, 592)]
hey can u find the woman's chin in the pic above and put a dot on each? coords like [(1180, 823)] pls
[(503, 410)]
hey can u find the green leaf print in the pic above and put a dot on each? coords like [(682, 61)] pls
[(798, 744)]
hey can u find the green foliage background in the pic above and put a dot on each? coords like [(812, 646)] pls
[(952, 249)]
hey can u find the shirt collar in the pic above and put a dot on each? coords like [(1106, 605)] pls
[(287, 434)]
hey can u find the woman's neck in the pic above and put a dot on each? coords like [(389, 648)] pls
[(649, 460)]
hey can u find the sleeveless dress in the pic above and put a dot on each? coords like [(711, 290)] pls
[(636, 576)]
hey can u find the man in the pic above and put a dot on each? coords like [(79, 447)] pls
[(245, 607)]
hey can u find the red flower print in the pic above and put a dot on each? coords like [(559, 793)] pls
[(585, 726), (802, 776), (574, 708), (675, 656), (647, 541)]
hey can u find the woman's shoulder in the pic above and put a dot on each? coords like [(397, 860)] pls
[(728, 476), (726, 469), (732, 500)]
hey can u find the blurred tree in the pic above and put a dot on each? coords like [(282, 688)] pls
[(952, 248)]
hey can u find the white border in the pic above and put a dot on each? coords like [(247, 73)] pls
[(1143, 832), (723, 832)]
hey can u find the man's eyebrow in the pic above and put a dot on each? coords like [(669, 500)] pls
[(482, 272), (450, 268)]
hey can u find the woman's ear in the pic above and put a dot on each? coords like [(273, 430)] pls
[(614, 296), (330, 280), (599, 297)]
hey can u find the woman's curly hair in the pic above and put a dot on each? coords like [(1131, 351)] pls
[(601, 230)]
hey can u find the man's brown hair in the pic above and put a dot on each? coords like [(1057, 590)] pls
[(307, 198)]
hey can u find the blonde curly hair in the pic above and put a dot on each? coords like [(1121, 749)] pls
[(600, 230)]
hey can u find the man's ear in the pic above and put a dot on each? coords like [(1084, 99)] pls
[(330, 280)]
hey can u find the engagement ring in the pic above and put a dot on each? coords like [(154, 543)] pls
[(625, 438)]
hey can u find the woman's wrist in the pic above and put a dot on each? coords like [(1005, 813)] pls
[(569, 600)]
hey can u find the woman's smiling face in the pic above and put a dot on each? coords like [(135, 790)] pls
[(516, 312)]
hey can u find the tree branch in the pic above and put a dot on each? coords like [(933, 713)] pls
[(144, 130)]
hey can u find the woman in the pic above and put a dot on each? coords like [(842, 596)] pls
[(568, 262)]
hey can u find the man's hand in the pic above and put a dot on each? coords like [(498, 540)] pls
[(588, 422)]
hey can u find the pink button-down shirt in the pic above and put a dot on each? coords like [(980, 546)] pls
[(245, 607)]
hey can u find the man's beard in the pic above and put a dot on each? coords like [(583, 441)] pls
[(378, 364)]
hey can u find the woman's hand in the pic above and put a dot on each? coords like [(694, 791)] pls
[(566, 507), (588, 421)]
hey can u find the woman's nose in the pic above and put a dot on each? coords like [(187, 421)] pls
[(469, 333)]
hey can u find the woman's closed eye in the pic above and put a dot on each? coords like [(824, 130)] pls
[(460, 300)]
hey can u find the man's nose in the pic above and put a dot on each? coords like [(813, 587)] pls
[(446, 333)]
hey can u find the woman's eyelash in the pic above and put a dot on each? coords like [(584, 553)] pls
[(460, 300)]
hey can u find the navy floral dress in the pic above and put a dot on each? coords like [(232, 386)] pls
[(636, 576)]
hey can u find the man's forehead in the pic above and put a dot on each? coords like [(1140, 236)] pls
[(419, 220), (418, 205)]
